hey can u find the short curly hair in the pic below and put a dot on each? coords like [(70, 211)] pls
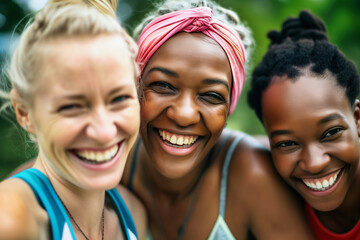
[(302, 43)]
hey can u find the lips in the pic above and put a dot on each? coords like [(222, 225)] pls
[(97, 156), (176, 140), (323, 183)]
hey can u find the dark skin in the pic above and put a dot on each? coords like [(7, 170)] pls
[(179, 99), (313, 139)]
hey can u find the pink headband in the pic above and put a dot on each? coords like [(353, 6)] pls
[(200, 19)]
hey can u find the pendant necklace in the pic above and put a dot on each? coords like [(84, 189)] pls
[(77, 226)]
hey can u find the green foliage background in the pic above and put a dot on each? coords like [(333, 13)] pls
[(341, 18)]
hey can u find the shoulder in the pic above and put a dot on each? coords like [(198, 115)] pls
[(254, 184), (136, 208), (21, 216), (249, 156), (251, 165)]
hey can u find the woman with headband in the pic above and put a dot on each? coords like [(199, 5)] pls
[(197, 180)]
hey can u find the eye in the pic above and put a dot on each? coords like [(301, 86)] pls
[(69, 107), (162, 87), (286, 146), (213, 98), (332, 133), (119, 99)]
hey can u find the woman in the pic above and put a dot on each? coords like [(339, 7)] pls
[(196, 180), (314, 139), (73, 90)]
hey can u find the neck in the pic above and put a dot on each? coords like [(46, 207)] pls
[(160, 185), (85, 206)]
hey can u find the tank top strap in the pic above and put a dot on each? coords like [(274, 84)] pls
[(45, 194), (133, 166), (224, 174), (126, 220)]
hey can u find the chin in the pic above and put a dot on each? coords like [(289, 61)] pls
[(174, 171)]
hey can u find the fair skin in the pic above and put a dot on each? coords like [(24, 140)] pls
[(186, 98), (315, 144), (84, 114)]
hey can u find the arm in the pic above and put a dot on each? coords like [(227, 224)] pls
[(20, 215), (136, 209), (273, 209)]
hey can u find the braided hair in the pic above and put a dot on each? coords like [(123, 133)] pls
[(302, 43)]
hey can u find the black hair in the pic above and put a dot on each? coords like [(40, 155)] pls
[(302, 43)]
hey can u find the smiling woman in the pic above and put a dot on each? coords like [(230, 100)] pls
[(73, 90), (305, 92)]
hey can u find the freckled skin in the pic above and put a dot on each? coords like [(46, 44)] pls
[(314, 131)]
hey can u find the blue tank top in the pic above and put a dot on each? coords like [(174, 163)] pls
[(59, 221), (220, 230)]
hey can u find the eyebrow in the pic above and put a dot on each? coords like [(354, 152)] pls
[(321, 121), (330, 118), (216, 81), (165, 71), (279, 132)]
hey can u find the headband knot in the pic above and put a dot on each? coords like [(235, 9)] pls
[(159, 30), (198, 24)]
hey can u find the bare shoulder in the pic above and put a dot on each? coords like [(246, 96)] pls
[(136, 209), (252, 169), (254, 182), (21, 216), (249, 157)]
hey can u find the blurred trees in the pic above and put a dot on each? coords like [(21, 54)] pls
[(341, 18)]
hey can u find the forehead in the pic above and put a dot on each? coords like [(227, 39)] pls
[(194, 51), (82, 59), (286, 100)]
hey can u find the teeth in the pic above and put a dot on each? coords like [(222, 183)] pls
[(174, 139), (323, 183), (98, 156)]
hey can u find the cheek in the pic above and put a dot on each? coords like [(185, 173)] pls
[(215, 118), (350, 149), (150, 107), (57, 132), (283, 164), (132, 119)]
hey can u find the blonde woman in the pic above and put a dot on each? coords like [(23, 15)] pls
[(73, 90)]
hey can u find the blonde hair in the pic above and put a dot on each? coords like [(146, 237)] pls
[(58, 19), (61, 18)]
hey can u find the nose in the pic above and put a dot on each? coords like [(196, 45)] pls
[(184, 110), (102, 127), (314, 159)]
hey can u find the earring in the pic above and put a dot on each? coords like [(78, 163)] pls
[(25, 128)]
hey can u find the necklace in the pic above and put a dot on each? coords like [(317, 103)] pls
[(77, 226)]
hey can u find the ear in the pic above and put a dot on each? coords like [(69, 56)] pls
[(357, 115), (21, 111)]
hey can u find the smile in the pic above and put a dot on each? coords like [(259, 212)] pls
[(322, 184), (175, 140), (97, 156)]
